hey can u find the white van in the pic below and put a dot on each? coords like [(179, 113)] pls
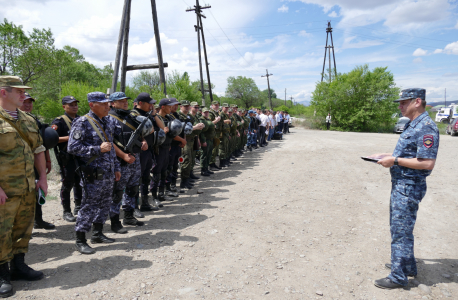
[(443, 114)]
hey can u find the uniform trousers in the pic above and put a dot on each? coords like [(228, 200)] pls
[(70, 180), (224, 147), (95, 205), (405, 199), (189, 159), (126, 189), (146, 164), (206, 154), (160, 169), (16, 224), (172, 169)]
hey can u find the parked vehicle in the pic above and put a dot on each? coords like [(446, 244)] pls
[(452, 128), (400, 124), (443, 115)]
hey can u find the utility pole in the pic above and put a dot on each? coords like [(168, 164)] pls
[(330, 47), (268, 86), (200, 32), (123, 43), (285, 97), (291, 100)]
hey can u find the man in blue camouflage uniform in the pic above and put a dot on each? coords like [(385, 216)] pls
[(126, 189), (91, 140), (412, 161)]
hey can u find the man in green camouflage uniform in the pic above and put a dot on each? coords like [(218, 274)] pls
[(246, 124), (21, 149), (188, 153), (206, 138), (234, 135), (225, 137), (216, 119)]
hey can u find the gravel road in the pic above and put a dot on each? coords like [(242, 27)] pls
[(304, 218)]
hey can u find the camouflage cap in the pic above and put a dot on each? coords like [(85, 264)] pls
[(185, 102), (215, 103), (230, 110), (412, 93), (118, 96), (97, 97), (13, 81), (194, 103), (205, 109), (225, 105), (234, 105)]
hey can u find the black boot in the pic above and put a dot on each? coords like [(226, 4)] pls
[(146, 206), (192, 176), (236, 153), (68, 216), (203, 173), (98, 237), (116, 225), (222, 163), (229, 162), (157, 203), (208, 171), (39, 223), (137, 212), (185, 184), (6, 289), (129, 219), (21, 271), (161, 195), (173, 186), (233, 158), (215, 167), (169, 192), (81, 243)]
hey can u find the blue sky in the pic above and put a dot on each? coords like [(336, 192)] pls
[(416, 40)]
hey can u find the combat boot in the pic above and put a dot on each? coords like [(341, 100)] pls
[(157, 203), (233, 158), (20, 271), (137, 212), (208, 171), (39, 223), (68, 216), (116, 225), (6, 289), (129, 219), (222, 163), (173, 185), (203, 172), (98, 237), (169, 192), (81, 243), (161, 195), (146, 206), (215, 167), (192, 176), (184, 184), (229, 162), (236, 153)]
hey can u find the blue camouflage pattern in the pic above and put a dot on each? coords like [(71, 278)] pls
[(420, 139), (97, 97), (85, 143), (118, 96), (130, 179)]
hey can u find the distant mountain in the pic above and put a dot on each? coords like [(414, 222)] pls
[(441, 102)]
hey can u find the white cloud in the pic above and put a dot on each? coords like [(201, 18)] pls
[(456, 26), (420, 52), (333, 14), (451, 48), (418, 60), (283, 9), (304, 33), (362, 44)]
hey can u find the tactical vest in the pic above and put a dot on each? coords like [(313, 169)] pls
[(128, 125)]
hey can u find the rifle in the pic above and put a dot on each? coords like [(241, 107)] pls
[(133, 140)]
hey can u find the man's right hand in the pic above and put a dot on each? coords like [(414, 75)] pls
[(3, 197), (166, 130), (129, 158), (183, 144), (227, 121), (105, 147)]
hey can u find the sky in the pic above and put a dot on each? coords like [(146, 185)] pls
[(416, 40)]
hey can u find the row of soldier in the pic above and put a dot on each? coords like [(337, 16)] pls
[(111, 158), (107, 173)]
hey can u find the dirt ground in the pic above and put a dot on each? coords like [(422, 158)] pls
[(304, 218)]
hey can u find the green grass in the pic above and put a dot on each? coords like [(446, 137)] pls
[(442, 127)]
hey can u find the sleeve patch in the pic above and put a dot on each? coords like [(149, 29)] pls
[(77, 134), (54, 127), (428, 140)]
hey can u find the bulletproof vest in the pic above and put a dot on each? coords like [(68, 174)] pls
[(128, 126)]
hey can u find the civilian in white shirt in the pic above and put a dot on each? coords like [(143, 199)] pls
[(286, 119), (262, 127), (328, 121), (272, 126)]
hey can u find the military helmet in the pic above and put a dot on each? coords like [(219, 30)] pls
[(148, 125), (188, 128), (175, 128), (50, 137), (159, 137)]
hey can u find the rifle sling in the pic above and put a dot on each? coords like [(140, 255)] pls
[(23, 136)]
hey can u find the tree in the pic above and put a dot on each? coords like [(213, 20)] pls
[(361, 100), (243, 89), (13, 42)]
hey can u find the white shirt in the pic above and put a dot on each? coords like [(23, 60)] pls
[(264, 119), (328, 119), (272, 121), (287, 117), (277, 118)]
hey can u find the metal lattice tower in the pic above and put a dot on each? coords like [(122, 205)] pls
[(327, 48)]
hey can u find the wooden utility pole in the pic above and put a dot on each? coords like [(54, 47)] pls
[(200, 33), (330, 47), (123, 44), (268, 86)]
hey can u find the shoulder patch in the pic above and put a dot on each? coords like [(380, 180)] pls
[(77, 134), (54, 127), (428, 140)]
